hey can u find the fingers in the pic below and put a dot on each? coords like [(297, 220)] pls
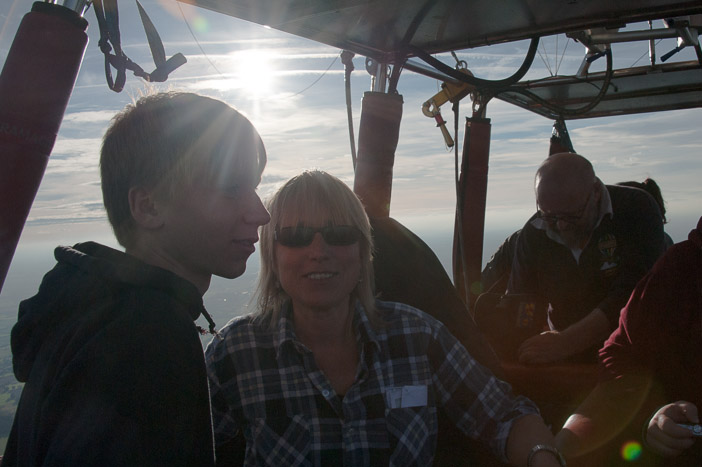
[(527, 343), (532, 355), (690, 411), (542, 348), (668, 438), (680, 412), (664, 435), (528, 351), (669, 447)]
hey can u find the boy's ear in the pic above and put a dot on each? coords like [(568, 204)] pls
[(144, 207)]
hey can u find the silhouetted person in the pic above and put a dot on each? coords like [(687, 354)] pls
[(651, 187), (111, 359), (583, 251), (651, 365)]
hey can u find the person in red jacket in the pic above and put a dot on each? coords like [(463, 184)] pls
[(652, 364)]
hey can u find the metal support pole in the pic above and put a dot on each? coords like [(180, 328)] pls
[(379, 75)]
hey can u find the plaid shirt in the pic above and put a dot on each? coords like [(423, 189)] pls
[(267, 384)]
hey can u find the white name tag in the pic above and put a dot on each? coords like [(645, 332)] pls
[(406, 396)]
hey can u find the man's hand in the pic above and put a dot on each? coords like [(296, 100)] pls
[(664, 436), (556, 346), (547, 347)]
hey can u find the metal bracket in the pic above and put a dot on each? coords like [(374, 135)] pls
[(379, 74)]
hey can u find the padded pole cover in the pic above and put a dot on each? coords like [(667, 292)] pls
[(35, 85), (377, 141), (472, 195)]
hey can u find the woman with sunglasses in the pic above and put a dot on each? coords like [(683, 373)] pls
[(323, 374)]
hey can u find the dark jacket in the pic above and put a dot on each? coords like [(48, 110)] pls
[(113, 367), (622, 248)]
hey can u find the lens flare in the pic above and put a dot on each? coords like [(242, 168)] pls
[(200, 24), (187, 13), (631, 451)]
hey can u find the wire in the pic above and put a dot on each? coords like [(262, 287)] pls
[(222, 74), (317, 80), (545, 60), (562, 111), (558, 66), (644, 54), (347, 60), (543, 55), (478, 82), (198, 42)]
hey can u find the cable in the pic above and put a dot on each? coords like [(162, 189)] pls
[(562, 55), (196, 41), (478, 82), (222, 74), (455, 109), (347, 60), (557, 60), (544, 60), (562, 111), (317, 80), (644, 54)]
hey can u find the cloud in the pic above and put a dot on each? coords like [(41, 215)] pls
[(309, 129), (74, 156), (77, 119)]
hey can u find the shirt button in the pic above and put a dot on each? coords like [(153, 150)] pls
[(325, 393)]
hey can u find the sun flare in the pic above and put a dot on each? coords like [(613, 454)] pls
[(253, 72)]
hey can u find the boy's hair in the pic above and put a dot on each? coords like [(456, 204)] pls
[(313, 194), (166, 141)]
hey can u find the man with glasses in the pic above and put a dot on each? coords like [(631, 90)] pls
[(583, 251)]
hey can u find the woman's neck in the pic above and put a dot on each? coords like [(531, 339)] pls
[(323, 328), (329, 335)]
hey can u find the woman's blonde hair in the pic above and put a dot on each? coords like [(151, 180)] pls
[(313, 194)]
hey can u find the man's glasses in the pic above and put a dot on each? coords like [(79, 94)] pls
[(571, 218), (334, 235)]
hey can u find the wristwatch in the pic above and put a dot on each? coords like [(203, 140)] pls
[(545, 447)]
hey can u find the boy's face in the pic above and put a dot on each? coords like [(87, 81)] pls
[(210, 227)]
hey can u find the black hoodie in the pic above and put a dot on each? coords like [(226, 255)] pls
[(113, 367)]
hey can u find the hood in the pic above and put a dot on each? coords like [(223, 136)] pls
[(86, 275)]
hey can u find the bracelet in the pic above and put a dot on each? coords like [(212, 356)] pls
[(545, 447)]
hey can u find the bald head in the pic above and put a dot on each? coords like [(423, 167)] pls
[(568, 197), (565, 175)]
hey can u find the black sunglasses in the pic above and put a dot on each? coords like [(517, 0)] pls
[(334, 235)]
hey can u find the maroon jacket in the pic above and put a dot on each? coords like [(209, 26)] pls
[(660, 329)]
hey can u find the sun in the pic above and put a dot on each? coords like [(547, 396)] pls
[(253, 71)]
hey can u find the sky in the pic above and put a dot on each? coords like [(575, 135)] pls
[(292, 89)]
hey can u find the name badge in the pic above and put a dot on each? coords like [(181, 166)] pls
[(406, 396)]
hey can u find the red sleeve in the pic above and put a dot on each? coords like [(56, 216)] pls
[(646, 323)]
